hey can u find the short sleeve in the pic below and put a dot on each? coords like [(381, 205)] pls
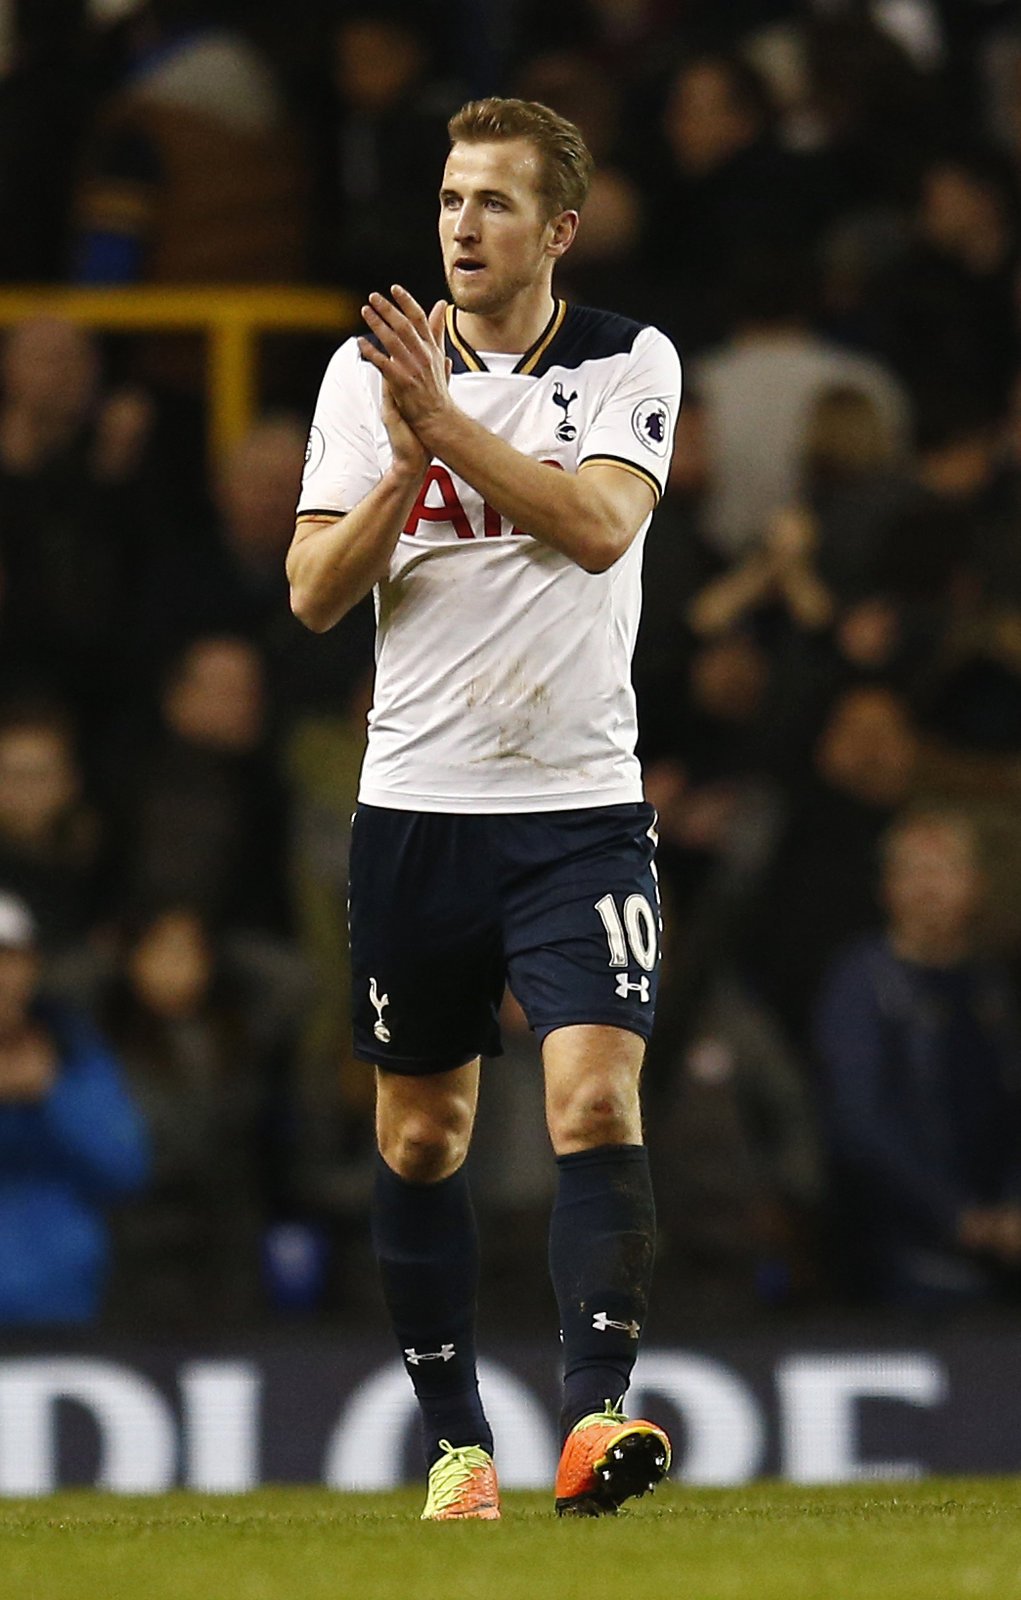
[(341, 459), (634, 426)]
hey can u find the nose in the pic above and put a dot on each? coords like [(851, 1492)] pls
[(467, 224)]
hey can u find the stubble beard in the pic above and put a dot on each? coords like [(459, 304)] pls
[(490, 302)]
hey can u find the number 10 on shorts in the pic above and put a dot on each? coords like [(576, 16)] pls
[(636, 929)]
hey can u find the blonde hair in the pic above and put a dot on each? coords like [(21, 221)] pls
[(566, 159)]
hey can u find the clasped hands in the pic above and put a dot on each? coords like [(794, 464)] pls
[(414, 368)]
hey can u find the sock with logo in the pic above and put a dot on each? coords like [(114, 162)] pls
[(426, 1243), (602, 1238)]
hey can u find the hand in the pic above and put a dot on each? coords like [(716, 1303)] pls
[(28, 1069), (412, 361), (792, 536), (409, 453)]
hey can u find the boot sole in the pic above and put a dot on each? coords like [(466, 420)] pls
[(630, 1468)]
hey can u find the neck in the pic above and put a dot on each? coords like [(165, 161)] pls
[(512, 329), (931, 949)]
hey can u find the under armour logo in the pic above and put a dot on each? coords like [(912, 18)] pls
[(379, 1001), (641, 988), (415, 1358), (602, 1322), (565, 430)]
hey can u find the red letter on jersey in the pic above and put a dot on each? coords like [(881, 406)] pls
[(451, 510)]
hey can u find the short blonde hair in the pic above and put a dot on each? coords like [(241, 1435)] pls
[(566, 159)]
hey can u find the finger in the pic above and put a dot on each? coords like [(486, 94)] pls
[(412, 310), (438, 321), (375, 358), (393, 345), (392, 317)]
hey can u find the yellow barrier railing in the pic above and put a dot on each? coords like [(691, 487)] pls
[(231, 318)]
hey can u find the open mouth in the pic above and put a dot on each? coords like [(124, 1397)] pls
[(466, 265)]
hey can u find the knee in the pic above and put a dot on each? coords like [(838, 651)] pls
[(424, 1147), (593, 1114)]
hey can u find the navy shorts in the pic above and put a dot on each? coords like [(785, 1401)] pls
[(447, 909)]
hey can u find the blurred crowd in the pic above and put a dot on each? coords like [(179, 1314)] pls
[(821, 202)]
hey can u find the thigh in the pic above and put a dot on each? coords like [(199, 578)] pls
[(426, 959), (581, 918)]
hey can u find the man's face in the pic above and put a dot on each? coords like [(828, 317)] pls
[(494, 232), (38, 781), (932, 880), (704, 122)]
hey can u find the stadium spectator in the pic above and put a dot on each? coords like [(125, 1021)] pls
[(952, 297), (193, 175), (243, 591), (200, 820), (605, 254), (921, 1052), (741, 1153), (188, 1251), (72, 1142), (380, 137), (814, 592), (819, 887), (72, 513), (50, 835), (875, 107), (721, 188), (758, 389)]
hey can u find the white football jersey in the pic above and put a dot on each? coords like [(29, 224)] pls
[(503, 670)]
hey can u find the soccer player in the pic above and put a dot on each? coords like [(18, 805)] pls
[(489, 470)]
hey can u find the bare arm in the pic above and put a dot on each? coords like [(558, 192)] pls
[(590, 516), (333, 565), (334, 562), (728, 598)]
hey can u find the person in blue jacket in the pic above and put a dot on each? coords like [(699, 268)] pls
[(71, 1142), (920, 1048)]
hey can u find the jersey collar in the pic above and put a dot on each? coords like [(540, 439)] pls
[(465, 359)]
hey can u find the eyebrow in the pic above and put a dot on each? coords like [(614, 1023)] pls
[(448, 192)]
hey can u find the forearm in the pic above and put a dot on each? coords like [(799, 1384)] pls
[(726, 600), (808, 599), (567, 511), (333, 565)]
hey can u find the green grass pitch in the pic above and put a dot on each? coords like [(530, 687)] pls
[(934, 1540)]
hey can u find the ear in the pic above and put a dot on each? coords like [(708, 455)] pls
[(562, 233)]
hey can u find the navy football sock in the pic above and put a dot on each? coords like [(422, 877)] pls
[(602, 1237), (426, 1243)]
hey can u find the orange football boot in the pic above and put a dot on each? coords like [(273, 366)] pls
[(462, 1485), (606, 1460)]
